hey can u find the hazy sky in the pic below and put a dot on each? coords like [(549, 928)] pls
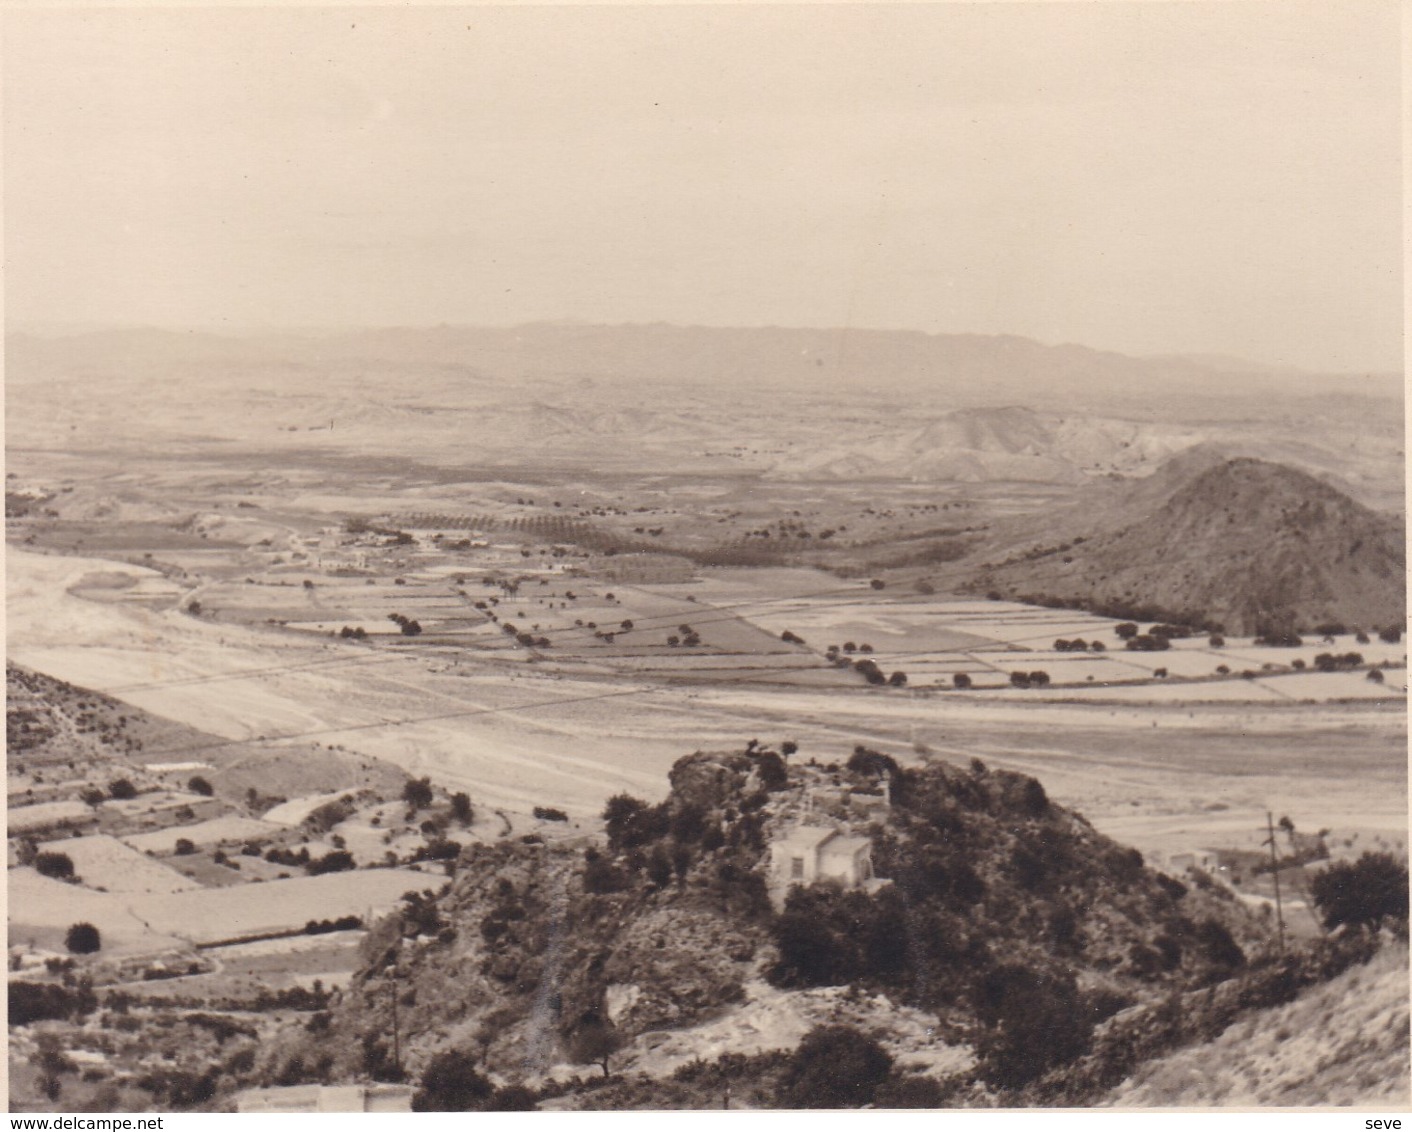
[(1146, 177)]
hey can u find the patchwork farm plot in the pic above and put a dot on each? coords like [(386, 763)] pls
[(245, 970), (209, 915), (216, 831), (783, 627), (934, 640), (108, 865), (41, 910)]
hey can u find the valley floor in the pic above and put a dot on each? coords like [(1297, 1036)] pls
[(1154, 775)]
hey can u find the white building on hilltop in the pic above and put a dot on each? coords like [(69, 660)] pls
[(808, 854)]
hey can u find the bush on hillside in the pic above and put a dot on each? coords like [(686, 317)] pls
[(83, 939), (1033, 1022), (834, 1067), (59, 866), (452, 1083)]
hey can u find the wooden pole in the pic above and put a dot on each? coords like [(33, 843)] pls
[(1275, 872)]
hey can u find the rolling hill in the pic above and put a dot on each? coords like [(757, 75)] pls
[(1246, 543)]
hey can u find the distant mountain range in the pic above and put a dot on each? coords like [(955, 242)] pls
[(788, 404), (968, 369)]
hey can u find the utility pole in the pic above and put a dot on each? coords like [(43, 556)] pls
[(1275, 872)]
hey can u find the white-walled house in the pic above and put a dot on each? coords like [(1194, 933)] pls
[(808, 854)]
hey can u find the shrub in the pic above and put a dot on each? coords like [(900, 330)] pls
[(631, 822), (198, 785), (830, 938), (600, 876), (452, 1083), (417, 793), (1362, 893), (834, 1067), (83, 939), (873, 764), (544, 813), (513, 1098), (122, 789), (1218, 946), (184, 847), (594, 1041), (337, 861), (36, 1002), (774, 775), (59, 866), (1033, 1022)]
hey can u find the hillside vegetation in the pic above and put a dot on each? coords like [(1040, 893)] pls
[(1023, 932), (1342, 1043)]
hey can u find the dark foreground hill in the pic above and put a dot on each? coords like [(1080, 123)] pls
[(1009, 921), (1252, 546)]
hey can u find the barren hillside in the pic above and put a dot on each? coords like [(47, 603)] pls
[(1247, 544), (1342, 1043)]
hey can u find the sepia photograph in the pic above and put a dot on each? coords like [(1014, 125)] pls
[(741, 557)]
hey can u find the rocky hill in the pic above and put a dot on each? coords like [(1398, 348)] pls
[(1006, 919), (1244, 543)]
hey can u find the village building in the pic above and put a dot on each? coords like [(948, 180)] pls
[(808, 854), (1176, 863)]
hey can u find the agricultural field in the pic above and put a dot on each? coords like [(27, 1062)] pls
[(206, 915), (41, 911), (42, 815), (228, 829), (243, 971), (105, 864)]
